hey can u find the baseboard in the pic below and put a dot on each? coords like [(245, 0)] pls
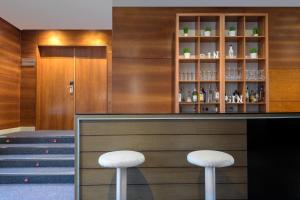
[(17, 129)]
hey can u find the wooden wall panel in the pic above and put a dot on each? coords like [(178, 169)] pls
[(141, 33), (31, 39), (10, 75), (91, 80), (165, 170), (142, 85), (28, 80)]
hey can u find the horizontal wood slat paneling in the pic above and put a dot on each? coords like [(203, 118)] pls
[(165, 192), (142, 86), (162, 176), (165, 144), (150, 33), (28, 79), (166, 127), (89, 160), (10, 75)]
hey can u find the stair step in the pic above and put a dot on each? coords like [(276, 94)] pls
[(37, 192), (38, 137), (37, 175), (9, 149), (30, 160)]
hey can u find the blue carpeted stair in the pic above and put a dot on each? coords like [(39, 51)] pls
[(37, 157)]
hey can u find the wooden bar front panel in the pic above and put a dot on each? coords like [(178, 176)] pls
[(165, 143)]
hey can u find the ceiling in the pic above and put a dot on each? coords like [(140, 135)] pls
[(97, 14), (206, 3), (57, 14)]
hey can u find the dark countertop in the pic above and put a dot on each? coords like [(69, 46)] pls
[(187, 116)]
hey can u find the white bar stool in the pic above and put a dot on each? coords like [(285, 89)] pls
[(121, 160), (210, 160)]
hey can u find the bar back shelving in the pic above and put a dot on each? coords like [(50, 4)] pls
[(227, 59)]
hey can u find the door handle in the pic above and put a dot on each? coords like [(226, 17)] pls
[(71, 87)]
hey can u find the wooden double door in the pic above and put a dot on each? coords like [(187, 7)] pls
[(70, 80)]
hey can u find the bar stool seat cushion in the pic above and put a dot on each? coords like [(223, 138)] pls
[(121, 159), (208, 158)]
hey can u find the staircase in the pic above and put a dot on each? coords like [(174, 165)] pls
[(37, 165)]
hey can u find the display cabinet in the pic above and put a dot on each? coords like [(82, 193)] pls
[(221, 63)]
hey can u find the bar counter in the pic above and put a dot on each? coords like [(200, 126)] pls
[(165, 140)]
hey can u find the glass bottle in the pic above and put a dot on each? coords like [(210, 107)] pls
[(195, 96), (231, 51), (180, 96), (201, 95), (247, 95), (261, 94), (216, 95), (204, 94), (210, 95)]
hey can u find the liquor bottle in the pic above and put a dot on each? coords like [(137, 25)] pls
[(247, 95), (261, 95), (195, 96), (231, 52), (201, 95), (180, 96), (204, 95), (252, 97), (256, 96), (226, 98), (189, 98), (210, 95), (216, 109), (216, 95)]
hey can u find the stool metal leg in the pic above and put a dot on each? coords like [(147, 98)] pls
[(121, 189), (210, 183)]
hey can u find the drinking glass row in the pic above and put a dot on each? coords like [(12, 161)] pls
[(230, 74), (204, 75), (255, 75), (251, 75)]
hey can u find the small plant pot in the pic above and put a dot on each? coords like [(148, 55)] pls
[(232, 33), (187, 55), (255, 35), (253, 55), (186, 34), (207, 33)]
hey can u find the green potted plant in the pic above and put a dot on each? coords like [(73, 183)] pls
[(253, 53), (185, 31), (186, 53), (232, 31), (207, 31), (255, 31)]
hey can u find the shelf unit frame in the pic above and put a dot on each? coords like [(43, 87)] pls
[(221, 38)]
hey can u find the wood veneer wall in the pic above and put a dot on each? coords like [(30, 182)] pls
[(31, 39), (10, 75), (143, 57), (165, 143)]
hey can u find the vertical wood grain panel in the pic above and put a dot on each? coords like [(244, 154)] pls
[(31, 39), (56, 108), (10, 75)]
